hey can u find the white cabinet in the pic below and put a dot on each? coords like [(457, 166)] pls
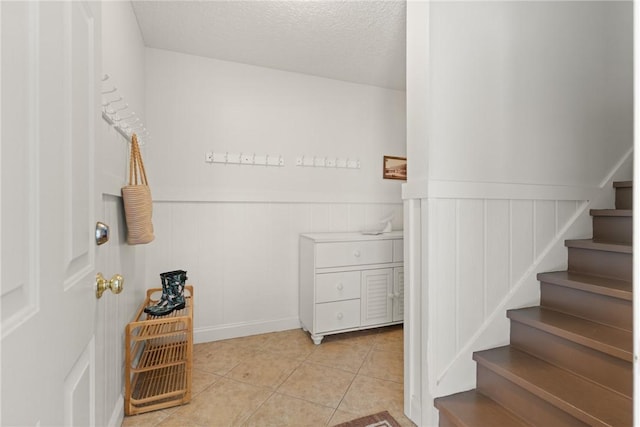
[(398, 293), (350, 281)]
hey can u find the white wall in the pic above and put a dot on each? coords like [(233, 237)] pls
[(123, 60), (235, 228), (530, 92), (529, 118)]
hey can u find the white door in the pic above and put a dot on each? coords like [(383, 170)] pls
[(50, 110)]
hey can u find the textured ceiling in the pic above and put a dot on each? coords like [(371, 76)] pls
[(355, 41)]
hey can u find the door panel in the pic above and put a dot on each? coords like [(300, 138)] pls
[(79, 390), (75, 25), (19, 283), (48, 201), (78, 58)]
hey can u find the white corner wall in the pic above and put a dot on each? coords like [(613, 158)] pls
[(235, 228), (528, 119), (123, 60)]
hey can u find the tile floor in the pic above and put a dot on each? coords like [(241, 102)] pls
[(283, 379)]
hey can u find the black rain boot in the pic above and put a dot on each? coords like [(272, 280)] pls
[(174, 282), (164, 298)]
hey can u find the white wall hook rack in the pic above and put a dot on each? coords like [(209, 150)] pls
[(114, 112), (241, 158), (328, 162)]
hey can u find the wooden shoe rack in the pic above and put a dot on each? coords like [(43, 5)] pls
[(158, 357)]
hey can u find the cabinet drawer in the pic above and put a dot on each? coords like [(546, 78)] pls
[(337, 254), (333, 316), (398, 250), (337, 286)]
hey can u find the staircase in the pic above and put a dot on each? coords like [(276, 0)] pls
[(570, 359)]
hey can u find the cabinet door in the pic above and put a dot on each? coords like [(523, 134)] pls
[(376, 296), (398, 294)]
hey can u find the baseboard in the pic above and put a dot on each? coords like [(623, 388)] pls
[(236, 330), (118, 413)]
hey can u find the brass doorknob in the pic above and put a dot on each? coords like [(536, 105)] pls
[(116, 284)]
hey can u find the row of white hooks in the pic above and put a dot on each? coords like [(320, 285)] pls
[(245, 158), (278, 160), (328, 162), (115, 111)]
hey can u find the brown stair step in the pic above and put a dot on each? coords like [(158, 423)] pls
[(599, 299), (624, 194), (594, 284), (612, 212), (578, 397), (612, 225), (471, 408), (600, 259), (607, 339), (599, 246)]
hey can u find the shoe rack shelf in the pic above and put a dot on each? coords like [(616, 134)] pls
[(158, 359)]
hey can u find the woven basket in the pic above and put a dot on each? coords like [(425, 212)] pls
[(138, 206)]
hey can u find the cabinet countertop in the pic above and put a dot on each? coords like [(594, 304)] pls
[(351, 236)]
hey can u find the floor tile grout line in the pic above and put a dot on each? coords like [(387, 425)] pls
[(303, 399), (258, 408), (353, 379)]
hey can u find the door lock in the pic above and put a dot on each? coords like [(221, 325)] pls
[(102, 233)]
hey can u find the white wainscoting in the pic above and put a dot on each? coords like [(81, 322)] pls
[(484, 252), (242, 257), (115, 311)]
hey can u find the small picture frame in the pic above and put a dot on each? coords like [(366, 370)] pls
[(394, 168)]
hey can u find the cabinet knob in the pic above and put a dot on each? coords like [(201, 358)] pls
[(340, 286), (356, 253), (339, 316)]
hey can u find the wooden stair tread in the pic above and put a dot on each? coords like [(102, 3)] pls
[(595, 284), (600, 246), (623, 184), (582, 399), (612, 212), (471, 408), (607, 339)]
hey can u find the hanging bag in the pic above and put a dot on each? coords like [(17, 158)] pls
[(137, 199)]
